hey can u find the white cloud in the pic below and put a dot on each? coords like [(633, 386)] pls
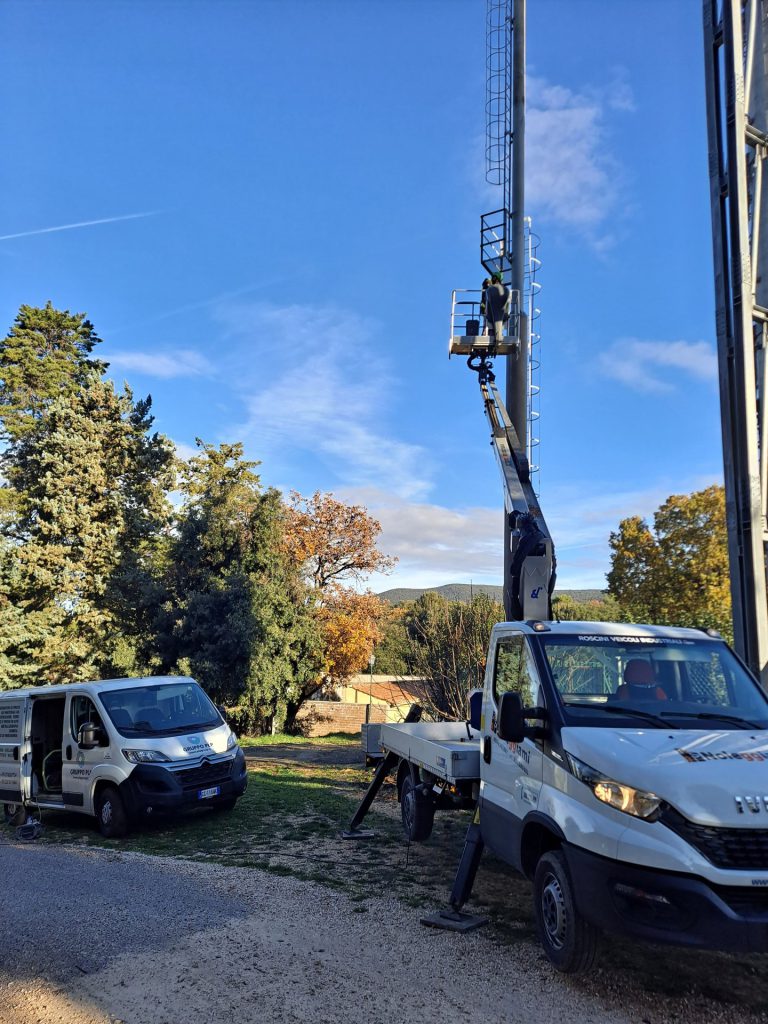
[(314, 385), (645, 365), (434, 544), (186, 451), (173, 363), (437, 545), (570, 175)]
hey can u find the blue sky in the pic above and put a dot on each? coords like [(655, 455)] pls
[(287, 193)]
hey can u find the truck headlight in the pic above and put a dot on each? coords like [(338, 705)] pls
[(637, 802), (144, 756), (231, 741)]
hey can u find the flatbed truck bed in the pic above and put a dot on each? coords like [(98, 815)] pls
[(446, 750)]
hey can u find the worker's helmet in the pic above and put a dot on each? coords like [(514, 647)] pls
[(497, 277)]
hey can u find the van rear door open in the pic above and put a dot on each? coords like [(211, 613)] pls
[(12, 718)]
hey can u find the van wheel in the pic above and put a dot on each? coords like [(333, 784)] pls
[(110, 813), (15, 814), (569, 941), (417, 810)]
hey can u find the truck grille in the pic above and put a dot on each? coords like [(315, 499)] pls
[(749, 901), (208, 773), (741, 848)]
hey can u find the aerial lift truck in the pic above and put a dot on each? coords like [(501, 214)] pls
[(622, 768)]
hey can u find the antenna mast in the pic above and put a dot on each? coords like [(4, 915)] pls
[(502, 232)]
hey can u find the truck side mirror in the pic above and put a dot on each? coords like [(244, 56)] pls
[(89, 736), (475, 709), (510, 725)]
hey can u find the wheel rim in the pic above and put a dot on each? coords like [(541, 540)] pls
[(106, 812), (408, 807), (553, 912)]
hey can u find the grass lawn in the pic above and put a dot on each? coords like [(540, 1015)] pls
[(334, 739)]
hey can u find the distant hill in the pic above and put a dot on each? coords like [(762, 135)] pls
[(464, 591)]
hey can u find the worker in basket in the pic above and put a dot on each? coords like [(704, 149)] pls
[(495, 306)]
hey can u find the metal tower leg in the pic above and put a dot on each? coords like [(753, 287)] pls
[(735, 33)]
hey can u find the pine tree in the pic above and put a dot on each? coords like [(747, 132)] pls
[(240, 620), (46, 355), (83, 505)]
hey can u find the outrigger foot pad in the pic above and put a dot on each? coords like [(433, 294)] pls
[(358, 833), (454, 920)]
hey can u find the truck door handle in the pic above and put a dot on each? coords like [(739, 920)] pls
[(487, 749), (69, 751), (15, 753)]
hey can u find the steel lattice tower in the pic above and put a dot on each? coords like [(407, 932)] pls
[(736, 35)]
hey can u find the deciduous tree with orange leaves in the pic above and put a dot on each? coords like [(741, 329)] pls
[(335, 545)]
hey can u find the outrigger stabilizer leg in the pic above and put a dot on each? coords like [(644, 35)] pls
[(385, 767), (452, 918)]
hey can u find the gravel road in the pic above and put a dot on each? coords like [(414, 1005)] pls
[(95, 937)]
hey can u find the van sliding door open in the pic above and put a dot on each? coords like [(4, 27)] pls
[(12, 718)]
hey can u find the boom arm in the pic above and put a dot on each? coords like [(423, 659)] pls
[(533, 553)]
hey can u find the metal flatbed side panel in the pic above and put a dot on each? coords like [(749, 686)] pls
[(441, 747)]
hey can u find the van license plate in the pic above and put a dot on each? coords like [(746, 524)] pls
[(206, 794)]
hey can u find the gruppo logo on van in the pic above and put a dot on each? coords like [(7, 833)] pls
[(196, 745)]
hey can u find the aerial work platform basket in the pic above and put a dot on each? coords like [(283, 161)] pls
[(470, 334)]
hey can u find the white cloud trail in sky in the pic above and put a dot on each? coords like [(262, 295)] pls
[(80, 224), (657, 366), (182, 362)]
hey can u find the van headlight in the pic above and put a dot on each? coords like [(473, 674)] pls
[(231, 741), (144, 756), (637, 802)]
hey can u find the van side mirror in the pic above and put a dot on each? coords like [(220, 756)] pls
[(475, 709), (510, 725), (90, 736)]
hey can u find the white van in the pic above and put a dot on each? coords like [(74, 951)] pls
[(121, 750)]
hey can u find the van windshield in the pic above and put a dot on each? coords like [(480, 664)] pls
[(166, 709), (653, 682)]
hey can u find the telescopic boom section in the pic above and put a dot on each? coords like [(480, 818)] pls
[(531, 548)]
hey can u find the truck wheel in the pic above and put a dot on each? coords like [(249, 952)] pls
[(14, 814), (110, 813), (569, 941), (417, 810)]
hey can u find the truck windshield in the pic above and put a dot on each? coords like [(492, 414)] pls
[(166, 709), (655, 682)]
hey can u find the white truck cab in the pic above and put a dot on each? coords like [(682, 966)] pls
[(121, 750), (624, 770)]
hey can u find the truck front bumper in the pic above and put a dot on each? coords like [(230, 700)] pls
[(662, 906), (151, 789)]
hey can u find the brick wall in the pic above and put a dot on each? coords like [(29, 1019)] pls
[(320, 717)]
